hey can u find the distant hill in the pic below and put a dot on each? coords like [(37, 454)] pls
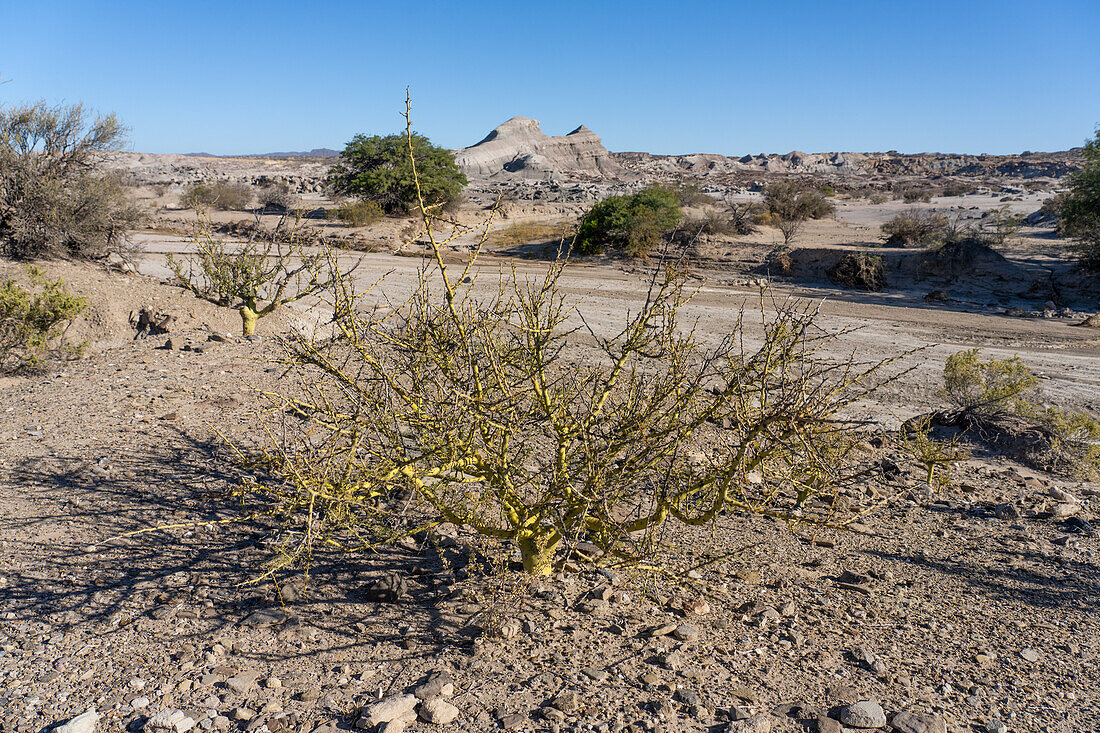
[(315, 153)]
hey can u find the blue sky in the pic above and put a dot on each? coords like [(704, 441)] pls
[(677, 77)]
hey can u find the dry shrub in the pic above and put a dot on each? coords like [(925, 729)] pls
[(916, 227), (859, 270), (475, 408), (358, 213), (532, 232), (998, 403), (221, 195)]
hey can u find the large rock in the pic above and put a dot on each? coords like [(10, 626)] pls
[(386, 710), (918, 723), (863, 714), (521, 149)]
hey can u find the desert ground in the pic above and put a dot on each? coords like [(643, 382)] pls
[(970, 609)]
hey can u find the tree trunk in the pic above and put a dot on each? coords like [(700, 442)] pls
[(248, 320), (536, 548)]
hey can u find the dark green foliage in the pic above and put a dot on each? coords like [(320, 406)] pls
[(791, 203), (31, 321), (630, 224), (379, 169), (1080, 208), (55, 200)]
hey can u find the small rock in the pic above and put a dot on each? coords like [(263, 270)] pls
[(83, 723), (567, 702), (1061, 511), (386, 709), (918, 723), (863, 714), (758, 723), (242, 683), (685, 632), (664, 630), (828, 725), (390, 588), (438, 684), (1029, 655), (1006, 511), (996, 726), (175, 721), (438, 711)]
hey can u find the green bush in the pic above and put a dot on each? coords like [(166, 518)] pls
[(358, 213), (377, 168), (55, 198), (222, 195), (916, 227), (631, 224), (32, 321), (1080, 207)]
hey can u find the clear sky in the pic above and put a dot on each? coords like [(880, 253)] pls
[(665, 77)]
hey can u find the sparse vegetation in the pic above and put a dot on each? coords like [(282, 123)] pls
[(358, 213), (1003, 226), (914, 194), (55, 198), (1080, 207), (998, 401), (222, 195), (632, 224), (533, 232), (791, 203), (859, 270), (932, 453), (471, 411), (377, 169), (917, 228), (276, 198), (32, 321), (254, 278), (692, 194)]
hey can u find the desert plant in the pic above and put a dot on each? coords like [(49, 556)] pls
[(914, 194), (916, 227), (692, 194), (998, 401), (222, 195), (256, 277), (737, 220), (791, 203), (358, 213), (859, 270), (32, 321), (275, 197), (631, 224), (55, 198), (377, 168), (473, 409), (1080, 207), (931, 453), (528, 232), (1003, 225)]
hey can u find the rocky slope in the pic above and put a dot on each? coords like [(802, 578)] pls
[(519, 148)]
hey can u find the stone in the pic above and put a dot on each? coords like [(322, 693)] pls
[(242, 683), (567, 702), (1006, 511), (906, 722), (996, 726), (437, 711), (685, 632), (863, 714), (437, 684), (759, 723), (175, 721), (828, 725), (389, 588), (386, 709), (243, 714), (265, 617), (1029, 655), (1061, 511), (83, 723), (663, 630)]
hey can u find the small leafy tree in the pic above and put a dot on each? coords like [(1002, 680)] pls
[(791, 203), (632, 224), (379, 169), (55, 198), (255, 278), (473, 408), (1080, 207), (32, 321)]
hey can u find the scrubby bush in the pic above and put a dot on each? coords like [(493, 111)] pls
[(32, 321), (222, 195), (1080, 208), (735, 221), (632, 224), (55, 198), (254, 278), (276, 198), (1003, 225), (377, 169), (956, 188), (530, 232), (999, 402), (791, 203), (472, 410), (916, 227), (691, 194), (914, 194), (859, 270), (358, 213)]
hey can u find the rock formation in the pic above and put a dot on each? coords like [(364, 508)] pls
[(519, 148)]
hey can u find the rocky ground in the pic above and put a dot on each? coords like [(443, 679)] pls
[(970, 610)]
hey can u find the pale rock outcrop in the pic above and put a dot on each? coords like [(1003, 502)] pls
[(519, 148)]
